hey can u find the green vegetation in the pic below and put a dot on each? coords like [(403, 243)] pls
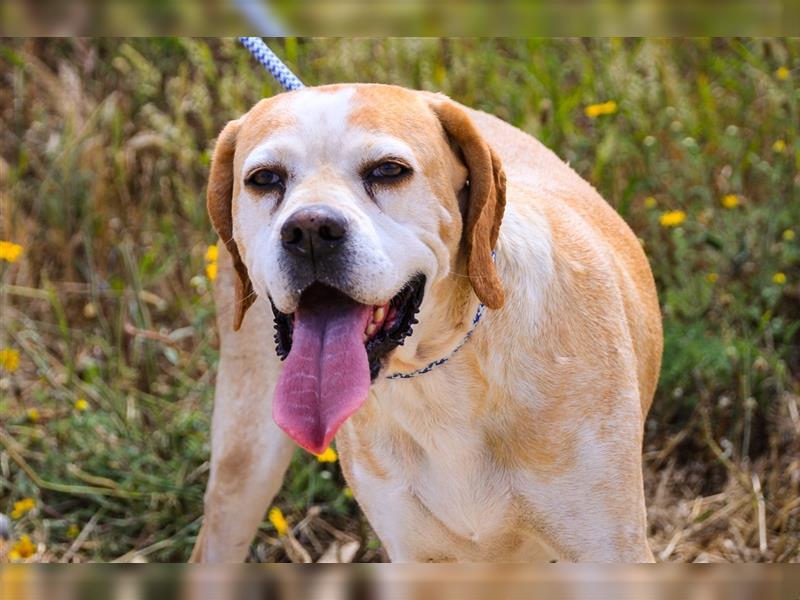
[(104, 421)]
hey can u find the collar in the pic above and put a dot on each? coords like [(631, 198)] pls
[(443, 360)]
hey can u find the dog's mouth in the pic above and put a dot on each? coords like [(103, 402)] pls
[(333, 348)]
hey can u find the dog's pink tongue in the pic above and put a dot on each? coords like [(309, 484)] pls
[(325, 378)]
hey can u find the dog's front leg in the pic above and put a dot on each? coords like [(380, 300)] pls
[(593, 513), (249, 454)]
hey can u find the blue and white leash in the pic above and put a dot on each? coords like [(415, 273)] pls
[(290, 81), (272, 63)]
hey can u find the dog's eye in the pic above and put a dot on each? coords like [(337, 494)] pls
[(387, 171), (265, 179)]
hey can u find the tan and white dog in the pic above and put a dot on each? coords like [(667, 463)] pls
[(360, 223)]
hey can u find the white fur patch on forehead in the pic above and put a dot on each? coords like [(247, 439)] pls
[(318, 125), (321, 131), (322, 113)]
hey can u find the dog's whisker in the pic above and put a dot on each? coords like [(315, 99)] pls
[(247, 297)]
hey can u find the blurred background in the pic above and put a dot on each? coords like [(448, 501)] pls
[(108, 346), (387, 17)]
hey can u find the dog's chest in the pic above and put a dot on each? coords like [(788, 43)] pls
[(452, 504)]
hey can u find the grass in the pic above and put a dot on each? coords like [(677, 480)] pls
[(104, 422)]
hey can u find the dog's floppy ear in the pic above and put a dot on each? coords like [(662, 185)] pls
[(486, 201), (218, 200)]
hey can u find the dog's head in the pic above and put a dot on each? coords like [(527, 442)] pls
[(343, 205)]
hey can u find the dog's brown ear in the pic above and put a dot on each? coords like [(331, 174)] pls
[(486, 201), (218, 200)]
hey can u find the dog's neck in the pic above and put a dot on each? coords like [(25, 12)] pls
[(450, 301)]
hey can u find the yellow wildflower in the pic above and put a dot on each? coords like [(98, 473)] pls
[(278, 521), (650, 202), (606, 108), (21, 507), (9, 359), (33, 415), (81, 404), (712, 277), (22, 548), (9, 251), (328, 456), (73, 531), (788, 235), (212, 253), (779, 146), (779, 278), (672, 218), (211, 271), (730, 201), (782, 73), (348, 493)]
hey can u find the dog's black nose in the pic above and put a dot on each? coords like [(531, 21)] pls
[(314, 231)]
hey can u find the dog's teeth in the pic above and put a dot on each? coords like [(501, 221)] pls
[(371, 329), (378, 315)]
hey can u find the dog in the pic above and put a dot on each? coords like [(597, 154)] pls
[(477, 328)]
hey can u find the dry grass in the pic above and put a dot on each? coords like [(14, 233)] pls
[(733, 511)]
